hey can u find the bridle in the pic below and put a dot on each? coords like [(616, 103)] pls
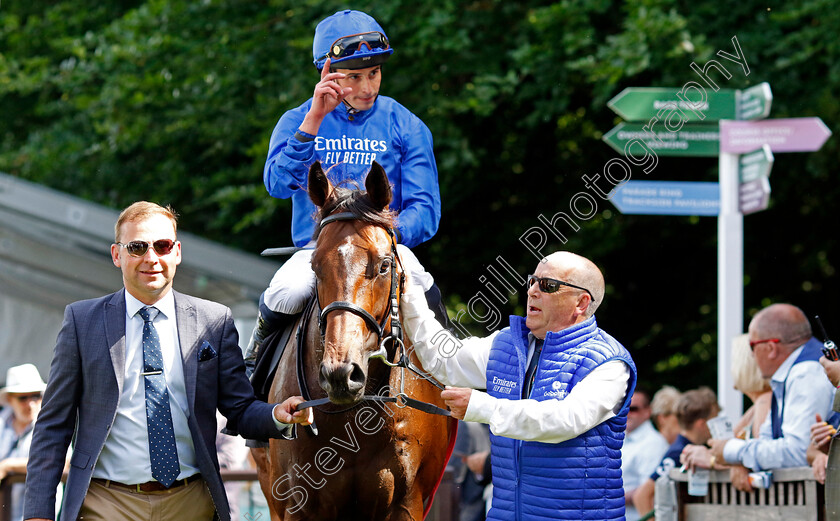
[(394, 335)]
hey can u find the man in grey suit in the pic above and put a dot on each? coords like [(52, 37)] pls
[(135, 381)]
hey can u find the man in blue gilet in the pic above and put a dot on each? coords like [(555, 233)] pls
[(558, 390)]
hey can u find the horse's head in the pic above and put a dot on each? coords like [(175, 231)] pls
[(354, 265)]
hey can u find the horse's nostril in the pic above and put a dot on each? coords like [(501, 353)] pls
[(324, 378), (346, 379), (357, 377)]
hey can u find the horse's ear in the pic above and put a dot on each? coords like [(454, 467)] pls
[(377, 186), (320, 187)]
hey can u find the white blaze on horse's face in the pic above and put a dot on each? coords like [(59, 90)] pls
[(351, 271)]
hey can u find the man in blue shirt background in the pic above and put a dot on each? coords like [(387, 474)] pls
[(785, 351)]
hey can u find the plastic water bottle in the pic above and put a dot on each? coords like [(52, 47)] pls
[(698, 482), (665, 499)]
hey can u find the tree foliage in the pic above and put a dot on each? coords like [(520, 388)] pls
[(174, 101)]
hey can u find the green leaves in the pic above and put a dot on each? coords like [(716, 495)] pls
[(174, 101)]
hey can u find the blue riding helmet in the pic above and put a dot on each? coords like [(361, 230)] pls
[(352, 39)]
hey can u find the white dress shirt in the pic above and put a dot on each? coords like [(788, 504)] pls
[(802, 391), (463, 363), (642, 452), (125, 456)]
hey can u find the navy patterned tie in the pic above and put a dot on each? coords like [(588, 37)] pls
[(162, 449), (530, 373)]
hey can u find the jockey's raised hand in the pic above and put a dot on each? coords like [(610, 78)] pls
[(326, 97)]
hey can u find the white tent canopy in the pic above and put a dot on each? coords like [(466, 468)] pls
[(55, 249)]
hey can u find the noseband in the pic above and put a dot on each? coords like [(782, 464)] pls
[(395, 335)]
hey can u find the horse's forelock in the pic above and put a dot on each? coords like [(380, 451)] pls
[(357, 203)]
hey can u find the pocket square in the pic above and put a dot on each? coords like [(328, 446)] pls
[(206, 352)]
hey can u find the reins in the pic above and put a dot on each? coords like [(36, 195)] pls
[(395, 336)]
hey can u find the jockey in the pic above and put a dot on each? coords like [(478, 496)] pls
[(346, 125)]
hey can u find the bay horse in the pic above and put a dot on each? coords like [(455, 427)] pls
[(364, 459)]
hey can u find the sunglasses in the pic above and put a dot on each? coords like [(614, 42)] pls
[(754, 343), (349, 45), (139, 248), (547, 285)]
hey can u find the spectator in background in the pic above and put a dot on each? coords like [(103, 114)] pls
[(23, 392), (780, 338), (824, 452), (694, 409), (233, 455), (663, 409), (747, 379), (643, 449), (471, 461)]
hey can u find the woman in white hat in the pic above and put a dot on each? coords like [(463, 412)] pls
[(23, 393)]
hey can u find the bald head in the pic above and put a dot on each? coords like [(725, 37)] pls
[(579, 271), (783, 321)]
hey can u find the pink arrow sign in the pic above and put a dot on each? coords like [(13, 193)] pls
[(783, 135)]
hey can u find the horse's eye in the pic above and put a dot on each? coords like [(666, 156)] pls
[(385, 267)]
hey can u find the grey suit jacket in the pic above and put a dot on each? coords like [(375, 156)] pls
[(86, 379)]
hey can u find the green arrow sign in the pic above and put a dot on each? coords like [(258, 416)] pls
[(691, 140), (755, 165), (644, 103), (754, 103)]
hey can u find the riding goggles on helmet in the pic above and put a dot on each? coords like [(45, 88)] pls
[(349, 45)]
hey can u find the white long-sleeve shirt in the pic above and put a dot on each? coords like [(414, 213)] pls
[(463, 363)]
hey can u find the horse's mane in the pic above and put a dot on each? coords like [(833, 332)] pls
[(357, 202)]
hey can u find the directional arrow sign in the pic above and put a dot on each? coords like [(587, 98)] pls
[(753, 103), (643, 103), (691, 140), (667, 198), (755, 165), (783, 135), (754, 195)]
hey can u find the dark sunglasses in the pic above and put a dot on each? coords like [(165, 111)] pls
[(547, 285), (139, 248), (349, 45), (26, 397)]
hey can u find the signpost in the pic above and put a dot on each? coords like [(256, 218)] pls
[(754, 196), (667, 198), (754, 185), (783, 135), (753, 103), (692, 140), (644, 103), (744, 186)]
